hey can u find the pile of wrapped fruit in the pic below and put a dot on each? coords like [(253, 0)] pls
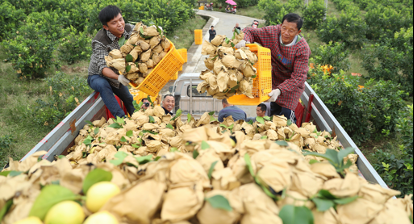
[(229, 71), (139, 55), (153, 168)]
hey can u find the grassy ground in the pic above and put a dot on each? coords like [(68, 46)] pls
[(183, 36), (253, 12)]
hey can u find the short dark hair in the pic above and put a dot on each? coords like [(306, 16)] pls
[(294, 18), (262, 106), (108, 13), (224, 101), (144, 99), (168, 96)]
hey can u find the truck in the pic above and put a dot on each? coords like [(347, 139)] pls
[(190, 101)]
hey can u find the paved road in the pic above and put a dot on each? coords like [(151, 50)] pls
[(224, 24)]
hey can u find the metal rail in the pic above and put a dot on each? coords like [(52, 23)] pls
[(326, 121)]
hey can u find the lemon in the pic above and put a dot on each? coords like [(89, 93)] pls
[(103, 217), (66, 212), (30, 220), (99, 194)]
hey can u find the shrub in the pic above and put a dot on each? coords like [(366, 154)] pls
[(66, 93), (332, 54), (30, 53), (272, 11), (350, 28), (74, 46), (10, 18), (314, 14), (392, 61), (362, 111), (5, 142), (395, 165)]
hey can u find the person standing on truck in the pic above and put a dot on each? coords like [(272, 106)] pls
[(260, 112), (231, 110), (212, 33), (168, 104), (290, 56), (107, 81)]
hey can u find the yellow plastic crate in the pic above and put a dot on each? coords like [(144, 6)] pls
[(139, 95), (198, 37), (162, 73), (201, 7), (183, 53), (262, 84), (175, 77)]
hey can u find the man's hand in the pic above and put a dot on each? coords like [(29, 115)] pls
[(241, 44), (274, 95), (124, 81)]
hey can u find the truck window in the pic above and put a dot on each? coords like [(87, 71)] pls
[(195, 92)]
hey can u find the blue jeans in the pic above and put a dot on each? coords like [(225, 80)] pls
[(101, 85), (275, 109)]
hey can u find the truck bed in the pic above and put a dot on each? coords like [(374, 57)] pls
[(92, 108)]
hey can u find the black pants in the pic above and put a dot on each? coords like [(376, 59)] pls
[(275, 109)]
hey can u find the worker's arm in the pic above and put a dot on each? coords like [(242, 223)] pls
[(221, 116), (299, 75), (264, 36), (107, 72)]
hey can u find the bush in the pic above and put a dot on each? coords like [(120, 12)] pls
[(332, 54), (10, 18), (360, 110), (395, 165), (30, 53), (350, 28), (392, 61), (314, 14), (66, 93), (5, 142), (272, 10), (75, 46)]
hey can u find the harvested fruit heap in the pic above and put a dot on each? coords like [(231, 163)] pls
[(153, 168), (139, 55), (230, 71)]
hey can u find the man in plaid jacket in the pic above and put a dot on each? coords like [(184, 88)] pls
[(290, 57)]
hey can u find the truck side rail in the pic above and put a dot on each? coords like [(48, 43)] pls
[(326, 121), (67, 130)]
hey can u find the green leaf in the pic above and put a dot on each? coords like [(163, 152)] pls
[(5, 208), (326, 194), (95, 176), (178, 114), (223, 126), (323, 204), (282, 143), (96, 131), (48, 197), (250, 122), (211, 113), (344, 153), (170, 126), (249, 164), (129, 58), (220, 202), (344, 201), (188, 118), (313, 161), (264, 137), (128, 68), (123, 139), (330, 155), (204, 145), (296, 215), (15, 173), (5, 173), (255, 76), (88, 140), (210, 171), (212, 119), (260, 120), (115, 125), (136, 146), (89, 122), (120, 156), (121, 41), (232, 45), (151, 119), (267, 118), (195, 154), (174, 149), (144, 159), (61, 156), (289, 122), (130, 134)]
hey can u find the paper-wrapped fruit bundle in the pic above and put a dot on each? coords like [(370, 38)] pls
[(139, 55), (229, 71), (153, 168)]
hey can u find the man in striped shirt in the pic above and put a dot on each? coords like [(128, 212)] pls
[(107, 80), (290, 57)]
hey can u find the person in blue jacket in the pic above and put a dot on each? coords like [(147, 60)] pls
[(228, 109)]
